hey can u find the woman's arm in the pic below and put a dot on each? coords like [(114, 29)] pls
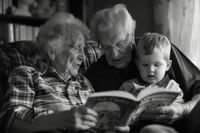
[(80, 118), (22, 116)]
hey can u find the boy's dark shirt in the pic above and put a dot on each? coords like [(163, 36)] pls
[(104, 77)]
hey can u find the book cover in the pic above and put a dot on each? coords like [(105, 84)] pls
[(120, 108)]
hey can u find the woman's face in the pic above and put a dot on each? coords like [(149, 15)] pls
[(71, 57), (117, 49)]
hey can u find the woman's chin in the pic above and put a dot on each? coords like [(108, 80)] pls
[(74, 72)]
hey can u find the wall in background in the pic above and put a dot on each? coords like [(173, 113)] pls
[(141, 10)]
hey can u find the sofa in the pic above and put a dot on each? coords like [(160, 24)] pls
[(19, 53)]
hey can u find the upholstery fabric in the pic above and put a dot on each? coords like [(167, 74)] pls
[(9, 59), (92, 52)]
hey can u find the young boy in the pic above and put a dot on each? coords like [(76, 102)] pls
[(153, 62)]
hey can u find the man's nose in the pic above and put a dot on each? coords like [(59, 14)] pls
[(115, 52)]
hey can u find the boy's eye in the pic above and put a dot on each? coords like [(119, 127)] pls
[(157, 65), (145, 65)]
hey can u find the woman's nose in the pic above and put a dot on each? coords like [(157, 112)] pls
[(81, 55)]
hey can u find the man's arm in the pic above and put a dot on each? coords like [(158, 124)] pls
[(189, 106), (185, 73)]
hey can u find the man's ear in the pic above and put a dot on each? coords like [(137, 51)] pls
[(51, 54), (169, 63)]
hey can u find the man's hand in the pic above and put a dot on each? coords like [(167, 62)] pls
[(165, 114), (170, 113)]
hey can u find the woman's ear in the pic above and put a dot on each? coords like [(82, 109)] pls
[(51, 54), (169, 63)]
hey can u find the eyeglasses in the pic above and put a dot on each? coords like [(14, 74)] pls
[(121, 45), (77, 48)]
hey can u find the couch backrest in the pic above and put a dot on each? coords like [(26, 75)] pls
[(9, 59)]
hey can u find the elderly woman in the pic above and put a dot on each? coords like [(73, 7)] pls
[(114, 29), (50, 100)]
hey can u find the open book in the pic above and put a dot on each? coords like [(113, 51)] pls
[(120, 108)]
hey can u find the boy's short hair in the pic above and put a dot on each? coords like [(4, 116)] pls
[(151, 41)]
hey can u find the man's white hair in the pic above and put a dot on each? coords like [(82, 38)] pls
[(115, 20)]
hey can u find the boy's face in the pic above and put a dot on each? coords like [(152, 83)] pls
[(152, 67)]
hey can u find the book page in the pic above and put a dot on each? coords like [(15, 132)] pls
[(115, 93), (112, 110), (151, 91)]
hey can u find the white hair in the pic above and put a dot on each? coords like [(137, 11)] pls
[(110, 20), (60, 26)]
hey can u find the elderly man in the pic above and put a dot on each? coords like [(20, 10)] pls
[(113, 28)]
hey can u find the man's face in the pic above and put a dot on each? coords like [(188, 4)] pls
[(117, 49)]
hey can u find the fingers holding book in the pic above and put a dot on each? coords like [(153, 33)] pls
[(161, 114)]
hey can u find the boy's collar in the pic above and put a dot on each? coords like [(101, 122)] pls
[(163, 82)]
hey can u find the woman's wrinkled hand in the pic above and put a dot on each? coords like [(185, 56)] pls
[(80, 118), (165, 114)]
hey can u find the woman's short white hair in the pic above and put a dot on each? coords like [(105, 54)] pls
[(110, 20), (61, 25)]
